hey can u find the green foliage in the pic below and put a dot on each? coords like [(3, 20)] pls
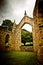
[(7, 23), (26, 36)]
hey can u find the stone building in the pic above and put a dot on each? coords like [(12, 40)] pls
[(3, 33), (37, 31)]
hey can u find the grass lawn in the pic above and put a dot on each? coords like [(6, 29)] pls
[(18, 58)]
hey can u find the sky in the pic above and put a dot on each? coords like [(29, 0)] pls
[(14, 10)]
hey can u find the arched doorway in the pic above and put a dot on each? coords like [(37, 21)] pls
[(25, 20), (6, 40), (26, 35)]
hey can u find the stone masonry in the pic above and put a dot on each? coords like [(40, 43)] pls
[(37, 31)]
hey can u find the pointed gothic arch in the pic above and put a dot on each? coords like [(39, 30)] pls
[(25, 20), (6, 40)]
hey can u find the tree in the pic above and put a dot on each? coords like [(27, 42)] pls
[(7, 23), (26, 36)]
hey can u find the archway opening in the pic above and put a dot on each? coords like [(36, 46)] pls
[(26, 35), (6, 40)]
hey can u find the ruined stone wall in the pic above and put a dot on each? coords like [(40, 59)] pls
[(27, 48), (35, 35), (3, 34), (38, 26), (16, 32), (17, 43), (38, 16), (15, 35)]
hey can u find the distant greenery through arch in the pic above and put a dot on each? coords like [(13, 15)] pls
[(26, 38)]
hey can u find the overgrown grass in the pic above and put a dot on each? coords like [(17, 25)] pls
[(18, 58)]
